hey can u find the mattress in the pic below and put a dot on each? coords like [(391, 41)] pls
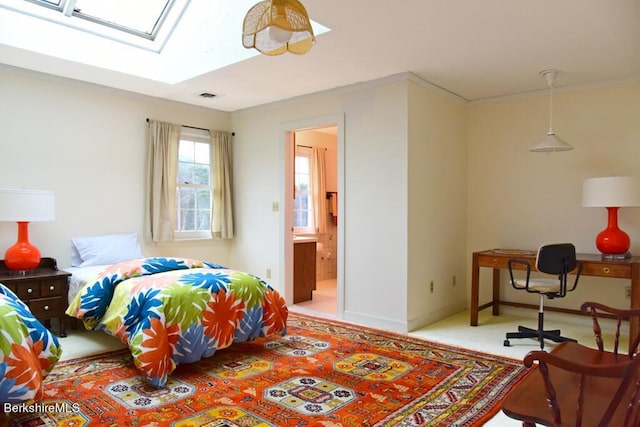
[(80, 276)]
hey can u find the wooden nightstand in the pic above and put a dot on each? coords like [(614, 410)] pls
[(45, 290)]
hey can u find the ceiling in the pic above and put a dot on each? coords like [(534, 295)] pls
[(476, 49)]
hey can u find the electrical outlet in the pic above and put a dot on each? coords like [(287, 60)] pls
[(627, 292), (268, 273)]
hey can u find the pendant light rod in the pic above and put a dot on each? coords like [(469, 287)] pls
[(551, 142), (550, 75)]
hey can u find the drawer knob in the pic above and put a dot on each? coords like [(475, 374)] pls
[(29, 291), (606, 270), (46, 307), (52, 288)]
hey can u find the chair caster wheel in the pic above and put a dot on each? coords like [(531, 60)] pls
[(507, 343)]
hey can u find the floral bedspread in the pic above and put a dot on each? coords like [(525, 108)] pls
[(28, 351), (176, 310)]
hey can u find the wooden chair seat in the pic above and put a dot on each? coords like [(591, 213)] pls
[(575, 385)]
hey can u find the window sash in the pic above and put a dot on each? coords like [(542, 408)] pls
[(303, 194), (194, 185)]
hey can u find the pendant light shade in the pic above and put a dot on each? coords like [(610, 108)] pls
[(551, 142), (274, 27)]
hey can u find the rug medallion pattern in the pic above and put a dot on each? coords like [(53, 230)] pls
[(322, 373)]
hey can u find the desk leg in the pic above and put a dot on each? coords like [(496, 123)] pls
[(475, 285), (496, 292), (635, 300)]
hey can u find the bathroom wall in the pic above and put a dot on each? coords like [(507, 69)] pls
[(327, 246)]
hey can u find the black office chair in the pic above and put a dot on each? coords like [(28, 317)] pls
[(558, 259)]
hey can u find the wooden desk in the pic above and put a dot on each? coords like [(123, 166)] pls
[(593, 265)]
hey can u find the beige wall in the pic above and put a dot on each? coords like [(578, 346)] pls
[(437, 205), (86, 143), (519, 199)]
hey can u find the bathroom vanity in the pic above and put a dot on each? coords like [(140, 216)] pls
[(304, 268)]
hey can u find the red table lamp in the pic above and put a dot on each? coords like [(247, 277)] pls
[(24, 206), (612, 192)]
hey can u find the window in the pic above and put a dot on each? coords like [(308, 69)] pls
[(140, 17), (194, 185), (303, 197), (139, 23)]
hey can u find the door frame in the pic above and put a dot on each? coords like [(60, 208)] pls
[(287, 129)]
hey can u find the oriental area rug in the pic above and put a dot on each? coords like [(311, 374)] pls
[(322, 373)]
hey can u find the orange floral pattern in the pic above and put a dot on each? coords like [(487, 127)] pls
[(275, 313), (155, 359), (220, 320)]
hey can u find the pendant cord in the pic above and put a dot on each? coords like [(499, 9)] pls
[(551, 111)]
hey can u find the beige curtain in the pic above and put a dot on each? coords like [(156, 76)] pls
[(319, 190), (160, 192), (222, 215)]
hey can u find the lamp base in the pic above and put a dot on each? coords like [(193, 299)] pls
[(22, 255), (612, 241), (616, 257)]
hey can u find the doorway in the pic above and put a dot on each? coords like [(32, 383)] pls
[(325, 296)]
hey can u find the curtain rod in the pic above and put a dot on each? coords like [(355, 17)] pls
[(307, 146), (193, 127)]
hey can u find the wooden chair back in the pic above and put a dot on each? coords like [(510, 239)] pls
[(599, 311)]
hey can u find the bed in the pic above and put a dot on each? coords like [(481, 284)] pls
[(171, 311), (28, 351)]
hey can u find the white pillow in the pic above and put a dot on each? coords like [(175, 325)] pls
[(107, 249)]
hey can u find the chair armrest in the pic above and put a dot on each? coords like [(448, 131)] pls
[(512, 263), (626, 313), (578, 273), (613, 370)]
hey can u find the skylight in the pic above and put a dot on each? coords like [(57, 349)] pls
[(141, 17), (142, 23)]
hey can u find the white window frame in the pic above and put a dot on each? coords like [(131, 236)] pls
[(65, 14), (306, 152), (198, 136)]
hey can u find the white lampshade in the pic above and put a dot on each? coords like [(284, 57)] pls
[(26, 205), (611, 191), (549, 144)]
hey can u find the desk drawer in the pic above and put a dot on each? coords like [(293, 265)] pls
[(622, 271), (502, 262)]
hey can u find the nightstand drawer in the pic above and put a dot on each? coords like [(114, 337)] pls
[(46, 307), (27, 290), (52, 287)]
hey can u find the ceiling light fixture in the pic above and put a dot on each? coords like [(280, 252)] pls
[(274, 27), (550, 142)]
